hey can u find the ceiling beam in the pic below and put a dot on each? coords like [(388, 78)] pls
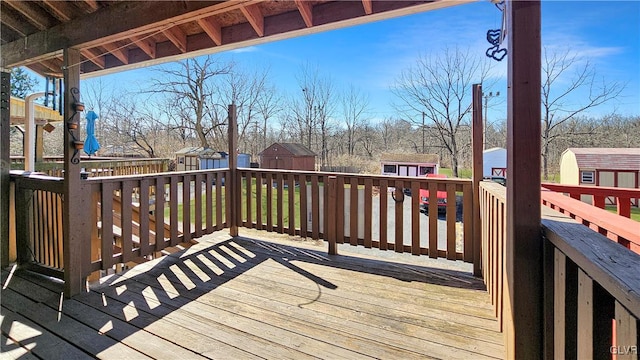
[(134, 18), (255, 18), (177, 37), (94, 56), (212, 28), (59, 9), (93, 4), (368, 7), (33, 13), (21, 28), (146, 44), (120, 54), (306, 10)]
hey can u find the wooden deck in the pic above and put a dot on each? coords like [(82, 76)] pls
[(245, 298)]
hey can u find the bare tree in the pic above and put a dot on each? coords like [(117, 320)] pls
[(355, 111), (567, 96), (190, 88), (438, 87)]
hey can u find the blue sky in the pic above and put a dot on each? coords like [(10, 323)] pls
[(371, 56)]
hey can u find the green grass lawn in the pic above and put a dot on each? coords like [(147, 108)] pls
[(635, 212), (462, 173), (274, 205)]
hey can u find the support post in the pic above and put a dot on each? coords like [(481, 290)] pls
[(234, 181), (524, 245), (477, 146), (75, 207), (5, 165)]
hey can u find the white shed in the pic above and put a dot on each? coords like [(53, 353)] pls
[(494, 162), (409, 164)]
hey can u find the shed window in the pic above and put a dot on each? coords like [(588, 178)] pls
[(587, 177), (390, 169), (426, 170)]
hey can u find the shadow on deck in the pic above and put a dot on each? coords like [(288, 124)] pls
[(248, 298)]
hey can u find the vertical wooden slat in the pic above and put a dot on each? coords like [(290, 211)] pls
[(559, 292), (145, 235), (339, 210), (451, 221), (270, 202), (173, 212), (368, 209), (353, 211), (107, 225), (208, 202), (415, 218), (384, 195), (399, 220), (500, 248), (433, 219), (469, 232), (259, 222), (626, 334), (198, 205), (23, 229), (126, 219), (315, 207), (249, 189), (548, 267), (330, 221), (186, 210), (303, 205), (158, 213), (585, 316), (292, 203), (221, 205), (279, 203)]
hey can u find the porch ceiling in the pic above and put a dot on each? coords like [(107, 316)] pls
[(118, 35)]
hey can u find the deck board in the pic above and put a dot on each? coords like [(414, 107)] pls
[(247, 298)]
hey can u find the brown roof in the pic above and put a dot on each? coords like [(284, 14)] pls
[(607, 158), (411, 158), (293, 148)]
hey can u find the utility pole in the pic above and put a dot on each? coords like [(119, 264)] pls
[(484, 128)]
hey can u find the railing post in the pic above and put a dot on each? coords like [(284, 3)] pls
[(477, 145), (330, 220), (234, 181), (23, 201), (75, 206), (5, 166)]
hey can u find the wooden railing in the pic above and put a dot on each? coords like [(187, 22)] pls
[(364, 210), (37, 212), (136, 217), (493, 205), (591, 285), (53, 166), (599, 196), (617, 228)]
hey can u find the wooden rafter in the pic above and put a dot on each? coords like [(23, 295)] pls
[(306, 11), (52, 66), (368, 7), (146, 44), (177, 37), (94, 56), (59, 9), (212, 28), (120, 54), (93, 4), (255, 18), (19, 27), (32, 12)]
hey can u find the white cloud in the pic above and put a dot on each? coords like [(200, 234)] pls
[(247, 49)]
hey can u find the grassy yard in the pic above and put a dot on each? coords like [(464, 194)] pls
[(635, 212), (462, 173), (285, 205)]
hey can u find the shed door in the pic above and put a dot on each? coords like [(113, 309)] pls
[(406, 170)]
